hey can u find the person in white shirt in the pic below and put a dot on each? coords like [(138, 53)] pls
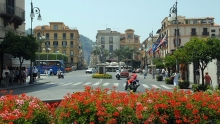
[(35, 71), (5, 76), (176, 78)]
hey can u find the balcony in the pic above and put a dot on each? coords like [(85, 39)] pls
[(193, 33), (14, 15), (205, 33)]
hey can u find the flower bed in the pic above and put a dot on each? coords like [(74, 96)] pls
[(105, 76), (105, 106)]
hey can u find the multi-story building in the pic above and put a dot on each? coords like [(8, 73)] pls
[(108, 40), (187, 28), (12, 17), (60, 38), (130, 39)]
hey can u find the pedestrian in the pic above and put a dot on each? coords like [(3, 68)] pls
[(207, 79), (197, 76), (5, 76), (35, 71), (166, 73), (46, 72), (163, 72), (176, 78), (145, 73)]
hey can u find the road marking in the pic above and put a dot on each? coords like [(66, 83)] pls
[(155, 86), (87, 83), (124, 84), (165, 87), (145, 86), (97, 83), (116, 84), (77, 83), (67, 84), (105, 84)]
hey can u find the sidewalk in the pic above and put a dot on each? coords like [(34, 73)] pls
[(43, 79)]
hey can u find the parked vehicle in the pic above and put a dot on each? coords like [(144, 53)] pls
[(133, 86), (90, 70)]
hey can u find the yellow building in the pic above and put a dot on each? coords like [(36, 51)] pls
[(60, 39)]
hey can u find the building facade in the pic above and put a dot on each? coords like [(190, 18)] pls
[(108, 40), (12, 17), (60, 39), (187, 28)]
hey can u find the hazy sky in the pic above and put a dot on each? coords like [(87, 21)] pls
[(143, 16)]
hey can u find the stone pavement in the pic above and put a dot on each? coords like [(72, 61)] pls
[(43, 79)]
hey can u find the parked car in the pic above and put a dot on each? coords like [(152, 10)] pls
[(90, 70), (124, 73)]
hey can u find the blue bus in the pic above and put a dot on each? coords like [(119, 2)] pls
[(50, 64)]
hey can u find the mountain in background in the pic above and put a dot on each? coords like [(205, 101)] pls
[(86, 47)]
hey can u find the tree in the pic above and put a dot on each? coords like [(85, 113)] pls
[(158, 62), (22, 47), (202, 50), (117, 53)]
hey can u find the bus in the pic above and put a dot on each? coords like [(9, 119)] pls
[(50, 64)]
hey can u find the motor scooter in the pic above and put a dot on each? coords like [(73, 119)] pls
[(60, 74)]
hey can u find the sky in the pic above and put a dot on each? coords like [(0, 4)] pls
[(143, 16)]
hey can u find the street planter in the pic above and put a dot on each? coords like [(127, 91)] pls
[(159, 78)]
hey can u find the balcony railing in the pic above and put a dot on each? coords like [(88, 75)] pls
[(15, 11), (205, 33), (193, 33)]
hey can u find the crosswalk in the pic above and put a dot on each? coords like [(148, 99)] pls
[(107, 84)]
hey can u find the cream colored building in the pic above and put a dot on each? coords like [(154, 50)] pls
[(187, 28), (12, 17), (61, 39)]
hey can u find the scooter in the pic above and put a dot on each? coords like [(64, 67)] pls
[(60, 75), (118, 76), (133, 86)]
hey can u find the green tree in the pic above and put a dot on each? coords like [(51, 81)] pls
[(202, 50), (117, 53), (22, 47)]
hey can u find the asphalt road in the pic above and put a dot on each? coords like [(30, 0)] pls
[(77, 80)]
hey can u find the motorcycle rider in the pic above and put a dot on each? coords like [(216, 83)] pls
[(131, 78), (117, 72)]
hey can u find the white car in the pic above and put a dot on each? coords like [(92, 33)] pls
[(90, 70)]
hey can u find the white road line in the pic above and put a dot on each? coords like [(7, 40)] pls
[(166, 87), (124, 84), (145, 86), (155, 86), (116, 84), (87, 83), (77, 83), (105, 84), (97, 83), (67, 84)]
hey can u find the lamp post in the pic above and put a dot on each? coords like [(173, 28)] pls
[(32, 15), (40, 38), (151, 38), (173, 16), (56, 54)]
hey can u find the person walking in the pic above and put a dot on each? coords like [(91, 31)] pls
[(5, 76), (207, 78), (145, 73), (197, 76), (176, 78)]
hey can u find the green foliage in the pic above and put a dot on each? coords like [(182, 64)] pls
[(169, 61), (168, 81), (159, 78), (199, 87), (104, 76), (183, 84), (181, 55)]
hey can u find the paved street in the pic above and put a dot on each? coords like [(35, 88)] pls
[(54, 88)]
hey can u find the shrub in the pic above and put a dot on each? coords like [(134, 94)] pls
[(199, 87), (105, 76), (168, 81), (159, 78), (21, 109), (184, 84)]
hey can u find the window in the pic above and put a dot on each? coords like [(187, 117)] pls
[(210, 21), (111, 48), (71, 60), (47, 36), (42, 27), (55, 36), (55, 43), (179, 42), (103, 40), (71, 52), (55, 27), (47, 43), (204, 21), (176, 31), (195, 21), (103, 46), (71, 36), (71, 43), (111, 40), (64, 43), (205, 30), (64, 52), (193, 31), (64, 36), (10, 7), (191, 22), (213, 30)]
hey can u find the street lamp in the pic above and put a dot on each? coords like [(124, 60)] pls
[(40, 38), (47, 49), (173, 16), (151, 38), (32, 15), (56, 54)]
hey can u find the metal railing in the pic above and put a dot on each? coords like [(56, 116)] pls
[(4, 9)]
